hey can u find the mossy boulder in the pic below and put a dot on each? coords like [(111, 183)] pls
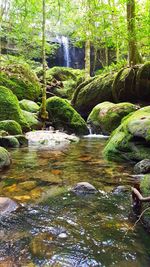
[(132, 84), (23, 141), (21, 80), (10, 109), (63, 116), (64, 73), (10, 126), (106, 117), (9, 141), (5, 159), (29, 105), (93, 92), (131, 140), (32, 120)]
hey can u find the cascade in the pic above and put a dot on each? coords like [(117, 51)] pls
[(64, 42)]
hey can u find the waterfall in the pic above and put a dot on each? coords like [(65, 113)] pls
[(65, 44)]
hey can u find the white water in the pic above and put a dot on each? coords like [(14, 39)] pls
[(64, 41)]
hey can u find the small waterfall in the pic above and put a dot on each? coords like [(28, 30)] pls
[(65, 44), (90, 129)]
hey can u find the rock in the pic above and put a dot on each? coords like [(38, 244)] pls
[(142, 167), (29, 105), (120, 189), (32, 120), (63, 74), (3, 133), (91, 93), (11, 126), (9, 141), (84, 188), (7, 205), (10, 109), (107, 116), (23, 141), (5, 159), (132, 84), (130, 141), (63, 116), (21, 80)]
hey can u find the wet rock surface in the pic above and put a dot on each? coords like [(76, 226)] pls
[(84, 188), (7, 205), (142, 167)]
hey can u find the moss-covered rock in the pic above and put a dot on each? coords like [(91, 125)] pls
[(131, 140), (29, 105), (132, 84), (97, 90), (64, 73), (106, 117), (63, 116), (10, 109), (9, 141), (10, 126), (32, 120), (23, 141), (21, 80), (5, 159)]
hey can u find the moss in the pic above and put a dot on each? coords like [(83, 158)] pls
[(29, 105), (5, 159), (9, 141), (143, 82), (106, 116), (10, 109), (10, 126), (23, 141), (64, 73), (21, 80), (96, 91), (145, 185), (63, 116), (131, 140), (32, 120)]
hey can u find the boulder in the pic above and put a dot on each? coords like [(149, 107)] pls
[(29, 105), (91, 93), (84, 188), (5, 159), (11, 126), (10, 109), (7, 206), (106, 117), (23, 141), (63, 116), (142, 167), (143, 82), (32, 120), (131, 140), (9, 141), (21, 80)]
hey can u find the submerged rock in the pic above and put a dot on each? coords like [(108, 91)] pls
[(63, 116), (5, 159), (7, 205), (84, 188), (142, 167), (107, 116), (131, 140)]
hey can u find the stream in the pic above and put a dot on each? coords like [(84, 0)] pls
[(54, 227)]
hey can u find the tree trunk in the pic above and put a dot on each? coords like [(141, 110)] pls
[(106, 56), (43, 112), (87, 59), (134, 56)]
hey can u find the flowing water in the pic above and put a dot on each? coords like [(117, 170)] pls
[(54, 227)]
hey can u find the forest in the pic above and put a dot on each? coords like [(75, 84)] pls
[(74, 133)]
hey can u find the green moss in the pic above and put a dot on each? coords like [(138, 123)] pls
[(21, 80), (64, 73), (131, 140), (143, 82), (29, 105), (145, 185), (95, 92), (63, 116), (10, 109), (9, 141), (32, 120), (106, 116), (10, 126), (5, 159)]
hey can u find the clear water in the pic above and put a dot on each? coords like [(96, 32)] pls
[(55, 227)]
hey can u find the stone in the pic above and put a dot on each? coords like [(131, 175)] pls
[(5, 159), (7, 205), (9, 141), (84, 188), (142, 167), (23, 141), (29, 105), (32, 120), (11, 126)]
